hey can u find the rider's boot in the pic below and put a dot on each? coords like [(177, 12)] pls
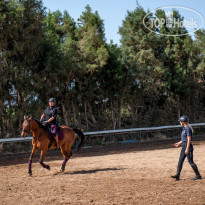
[(194, 167), (57, 142)]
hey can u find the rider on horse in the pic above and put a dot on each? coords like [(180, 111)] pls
[(48, 118)]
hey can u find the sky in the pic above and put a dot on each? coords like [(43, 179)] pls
[(113, 12)]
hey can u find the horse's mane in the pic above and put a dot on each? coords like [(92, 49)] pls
[(39, 124)]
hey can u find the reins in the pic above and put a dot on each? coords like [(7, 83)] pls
[(35, 130)]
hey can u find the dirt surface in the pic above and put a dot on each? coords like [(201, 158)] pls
[(121, 174)]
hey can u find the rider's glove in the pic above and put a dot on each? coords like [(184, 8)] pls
[(44, 122)]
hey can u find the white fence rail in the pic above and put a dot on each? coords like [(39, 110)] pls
[(20, 139)]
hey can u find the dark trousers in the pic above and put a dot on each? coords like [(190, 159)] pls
[(53, 130), (189, 157)]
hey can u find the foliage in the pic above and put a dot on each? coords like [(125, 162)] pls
[(147, 80)]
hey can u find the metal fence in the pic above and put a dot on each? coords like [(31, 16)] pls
[(134, 134)]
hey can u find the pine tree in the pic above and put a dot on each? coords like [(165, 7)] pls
[(140, 54), (21, 33)]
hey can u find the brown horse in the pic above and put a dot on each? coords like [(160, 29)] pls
[(41, 141)]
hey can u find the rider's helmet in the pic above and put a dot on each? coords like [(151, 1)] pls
[(52, 100), (183, 118)]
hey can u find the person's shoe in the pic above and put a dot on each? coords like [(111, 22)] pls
[(175, 177), (196, 177)]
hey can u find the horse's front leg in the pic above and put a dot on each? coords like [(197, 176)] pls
[(43, 153), (34, 150)]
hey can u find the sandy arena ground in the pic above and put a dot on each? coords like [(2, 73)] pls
[(121, 174)]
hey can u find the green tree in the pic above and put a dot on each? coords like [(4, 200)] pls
[(140, 54), (91, 45), (112, 80), (21, 33), (199, 44), (57, 63), (179, 63), (93, 55)]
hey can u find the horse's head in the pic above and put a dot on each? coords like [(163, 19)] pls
[(26, 126)]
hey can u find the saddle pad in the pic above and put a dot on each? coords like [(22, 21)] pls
[(59, 131), (60, 134), (50, 135)]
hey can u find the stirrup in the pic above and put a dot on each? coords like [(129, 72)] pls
[(57, 143)]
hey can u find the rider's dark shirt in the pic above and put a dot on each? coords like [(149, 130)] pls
[(51, 112)]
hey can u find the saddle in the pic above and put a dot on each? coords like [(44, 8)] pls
[(51, 135), (54, 130), (51, 130)]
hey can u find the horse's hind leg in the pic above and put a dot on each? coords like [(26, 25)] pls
[(66, 155), (34, 150), (43, 153)]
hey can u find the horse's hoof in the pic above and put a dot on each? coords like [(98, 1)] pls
[(62, 170), (48, 167)]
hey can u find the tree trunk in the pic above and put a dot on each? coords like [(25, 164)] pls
[(1, 117), (74, 114), (86, 116), (20, 106), (91, 113), (178, 108), (120, 113), (10, 115), (112, 113), (65, 114)]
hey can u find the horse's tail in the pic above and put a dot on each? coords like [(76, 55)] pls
[(82, 137)]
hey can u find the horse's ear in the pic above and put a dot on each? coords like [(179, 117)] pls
[(25, 117)]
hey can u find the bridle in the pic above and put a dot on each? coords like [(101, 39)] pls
[(29, 127)]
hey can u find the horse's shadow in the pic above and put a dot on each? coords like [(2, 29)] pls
[(89, 171)]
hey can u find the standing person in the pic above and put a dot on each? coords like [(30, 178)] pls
[(48, 118), (187, 148)]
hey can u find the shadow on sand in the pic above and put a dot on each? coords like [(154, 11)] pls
[(88, 171)]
